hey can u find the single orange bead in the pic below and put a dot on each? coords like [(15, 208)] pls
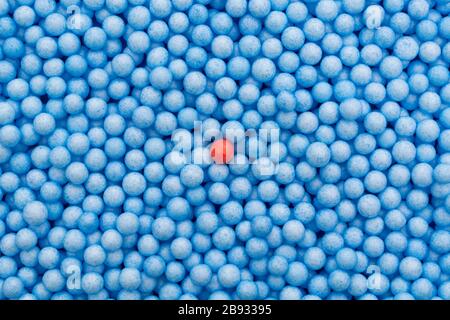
[(222, 151)]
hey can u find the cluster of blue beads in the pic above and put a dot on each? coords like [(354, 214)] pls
[(94, 205)]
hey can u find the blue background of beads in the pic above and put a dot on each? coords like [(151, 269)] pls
[(352, 200)]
